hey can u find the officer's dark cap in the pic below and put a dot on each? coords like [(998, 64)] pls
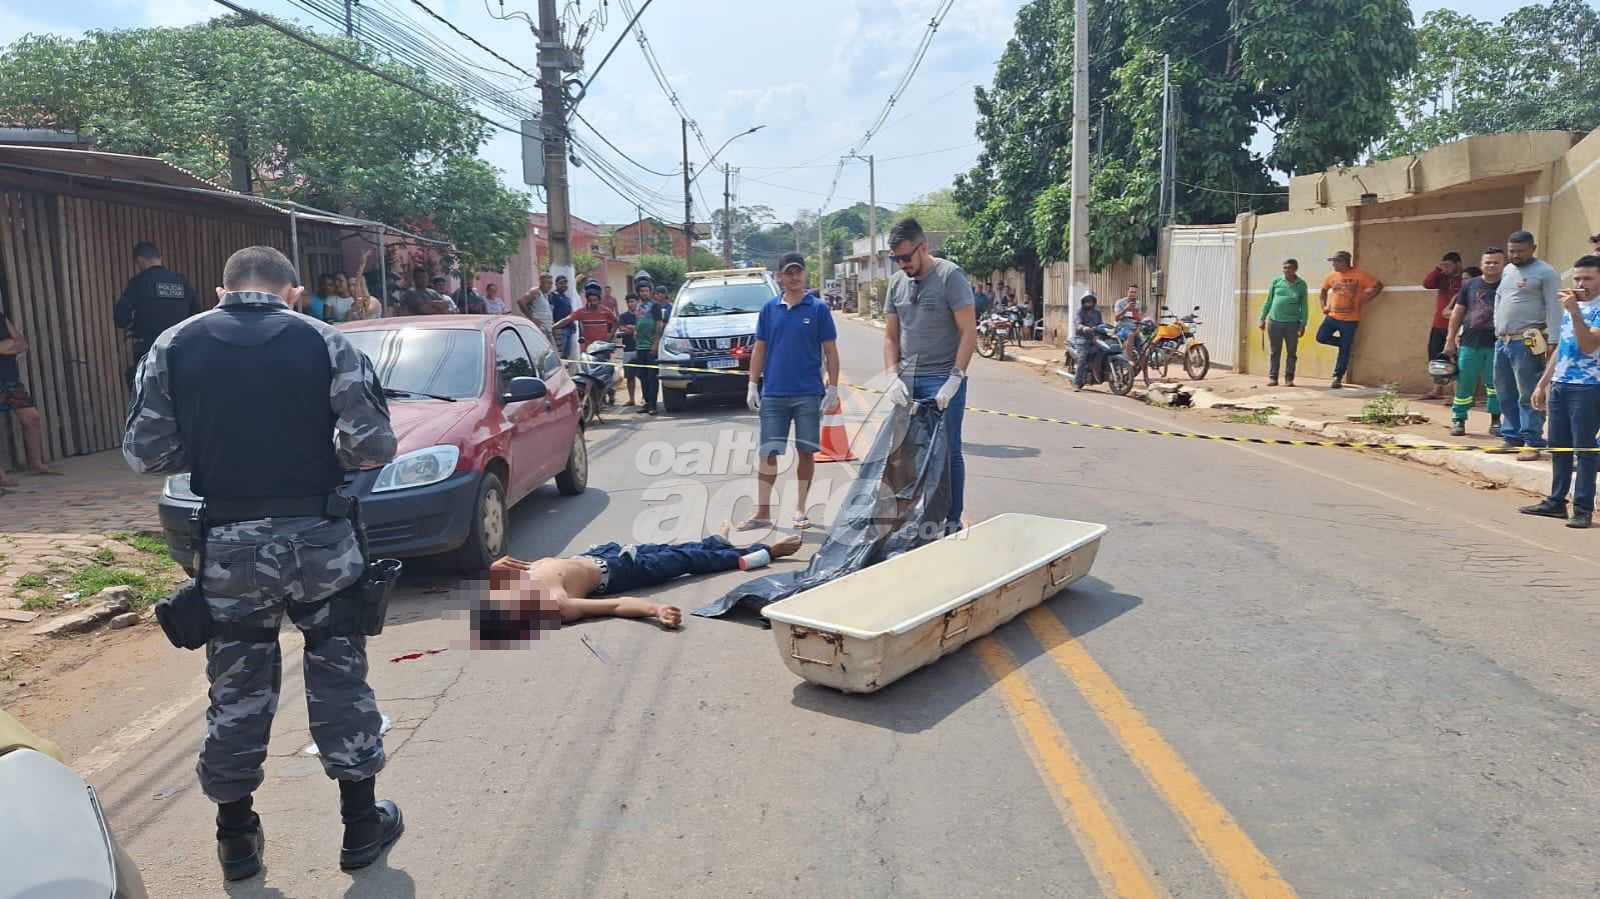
[(144, 249)]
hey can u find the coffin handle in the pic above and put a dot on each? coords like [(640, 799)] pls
[(796, 634)]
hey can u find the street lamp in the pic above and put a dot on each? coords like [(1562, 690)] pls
[(688, 180)]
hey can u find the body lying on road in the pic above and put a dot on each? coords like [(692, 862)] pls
[(527, 595)]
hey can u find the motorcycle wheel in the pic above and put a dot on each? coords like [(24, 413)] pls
[(1153, 363), (998, 352), (591, 406), (1121, 374), (1197, 362), (986, 345)]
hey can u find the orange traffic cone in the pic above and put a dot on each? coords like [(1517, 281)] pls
[(835, 444)]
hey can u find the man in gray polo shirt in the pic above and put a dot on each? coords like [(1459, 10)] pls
[(1526, 302), (930, 331)]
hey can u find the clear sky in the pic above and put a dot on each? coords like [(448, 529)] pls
[(815, 73)]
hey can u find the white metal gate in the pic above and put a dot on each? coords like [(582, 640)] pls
[(1203, 270)]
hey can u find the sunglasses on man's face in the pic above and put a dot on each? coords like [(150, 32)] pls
[(903, 259)]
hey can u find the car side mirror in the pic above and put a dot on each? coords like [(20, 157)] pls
[(523, 389)]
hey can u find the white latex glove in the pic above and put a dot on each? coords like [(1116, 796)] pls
[(897, 393), (752, 397), (830, 401), (948, 391)]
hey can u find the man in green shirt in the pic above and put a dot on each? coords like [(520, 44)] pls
[(1283, 317)]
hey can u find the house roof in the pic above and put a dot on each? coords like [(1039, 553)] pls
[(150, 173)]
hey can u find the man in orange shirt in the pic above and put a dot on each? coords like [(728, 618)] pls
[(1344, 292), (594, 321)]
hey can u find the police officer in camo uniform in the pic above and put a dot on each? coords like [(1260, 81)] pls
[(267, 410)]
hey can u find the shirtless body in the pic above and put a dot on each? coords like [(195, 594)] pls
[(571, 581)]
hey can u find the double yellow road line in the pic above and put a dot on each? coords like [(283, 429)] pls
[(1116, 861)]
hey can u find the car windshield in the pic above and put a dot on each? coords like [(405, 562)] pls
[(440, 361), (722, 298)]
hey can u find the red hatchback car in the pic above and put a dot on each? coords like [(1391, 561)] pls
[(485, 414)]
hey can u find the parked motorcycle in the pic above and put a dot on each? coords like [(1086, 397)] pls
[(1109, 367), (995, 329), (596, 379), (1171, 339)]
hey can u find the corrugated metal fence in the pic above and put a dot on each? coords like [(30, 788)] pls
[(65, 260), (1203, 266)]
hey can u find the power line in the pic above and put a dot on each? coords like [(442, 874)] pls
[(446, 22), (894, 95), (1237, 193), (613, 146), (661, 76)]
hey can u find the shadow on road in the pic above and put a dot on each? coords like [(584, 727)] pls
[(380, 880), (924, 698)]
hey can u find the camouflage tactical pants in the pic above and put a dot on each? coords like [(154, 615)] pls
[(255, 572)]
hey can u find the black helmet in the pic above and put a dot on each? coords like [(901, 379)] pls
[(592, 286), (643, 278)]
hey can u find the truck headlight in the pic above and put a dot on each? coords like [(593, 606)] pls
[(177, 487), (418, 468), (677, 346)]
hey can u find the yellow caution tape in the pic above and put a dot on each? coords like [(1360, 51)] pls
[(1190, 435)]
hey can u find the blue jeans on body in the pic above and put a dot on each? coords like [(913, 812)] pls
[(923, 387), (1516, 372), (777, 412), (642, 565), (1342, 334), (1574, 419)]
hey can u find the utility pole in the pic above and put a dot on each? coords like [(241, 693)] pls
[(1078, 253), (872, 217), (688, 201), (822, 261), (1161, 198), (639, 211), (349, 18), (553, 61), (727, 213)]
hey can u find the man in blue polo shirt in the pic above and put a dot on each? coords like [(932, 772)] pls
[(793, 336)]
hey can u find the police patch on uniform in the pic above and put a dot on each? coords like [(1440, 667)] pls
[(169, 290)]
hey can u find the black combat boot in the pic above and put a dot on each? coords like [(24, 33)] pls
[(240, 839), (369, 825)]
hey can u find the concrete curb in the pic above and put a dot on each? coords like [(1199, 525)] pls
[(1502, 471)]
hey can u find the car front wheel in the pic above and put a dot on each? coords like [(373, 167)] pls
[(675, 400), (486, 541)]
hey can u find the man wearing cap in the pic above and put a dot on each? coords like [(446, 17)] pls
[(1527, 316), (794, 334), (647, 340), (1344, 292), (593, 321)]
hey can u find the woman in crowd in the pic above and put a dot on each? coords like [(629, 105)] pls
[(336, 308)]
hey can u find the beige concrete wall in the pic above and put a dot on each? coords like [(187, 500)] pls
[(1311, 236), (1573, 204), (1399, 243)]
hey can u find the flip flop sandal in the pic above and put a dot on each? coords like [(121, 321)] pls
[(751, 524), (802, 523)]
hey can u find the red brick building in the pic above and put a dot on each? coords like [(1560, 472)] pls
[(648, 236)]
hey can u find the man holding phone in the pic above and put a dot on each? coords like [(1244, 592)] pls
[(1570, 392)]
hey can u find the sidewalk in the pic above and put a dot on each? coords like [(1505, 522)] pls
[(1335, 415), (49, 524)]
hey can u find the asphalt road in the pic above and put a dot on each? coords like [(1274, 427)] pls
[(1291, 671)]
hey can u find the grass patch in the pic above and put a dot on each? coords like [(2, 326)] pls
[(104, 556), (1385, 410), (145, 542), (29, 581), (37, 602), (149, 585), (1252, 417)]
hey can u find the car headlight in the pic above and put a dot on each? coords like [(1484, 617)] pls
[(418, 468), (177, 487), (676, 345)]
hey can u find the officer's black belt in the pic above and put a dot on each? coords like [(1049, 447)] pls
[(221, 511)]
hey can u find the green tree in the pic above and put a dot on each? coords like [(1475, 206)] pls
[(240, 104), (935, 211), (668, 271), (1317, 74), (1534, 70)]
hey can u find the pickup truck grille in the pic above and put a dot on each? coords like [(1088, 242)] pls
[(709, 344)]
